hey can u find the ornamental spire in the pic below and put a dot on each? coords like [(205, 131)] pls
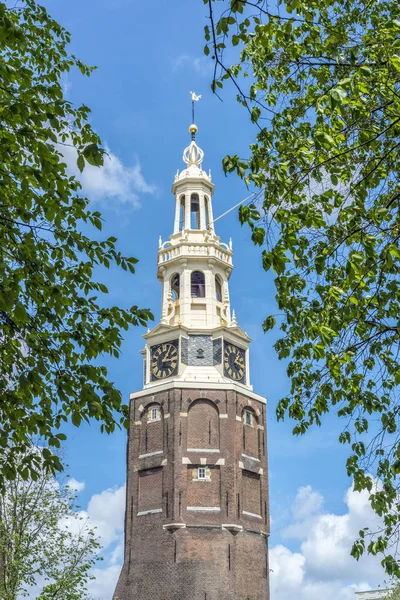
[(193, 155)]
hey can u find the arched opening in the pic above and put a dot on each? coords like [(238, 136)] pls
[(182, 213), (175, 286), (198, 285), (218, 288), (203, 425), (207, 212), (152, 430), (194, 212), (251, 435)]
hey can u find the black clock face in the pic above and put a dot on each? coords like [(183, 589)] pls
[(234, 362), (164, 360)]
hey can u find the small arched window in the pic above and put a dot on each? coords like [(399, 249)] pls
[(218, 288), (175, 285), (198, 285), (194, 212), (182, 213)]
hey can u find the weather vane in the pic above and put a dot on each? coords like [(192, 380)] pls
[(195, 98)]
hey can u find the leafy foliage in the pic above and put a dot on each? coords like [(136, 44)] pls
[(320, 81), (44, 543), (53, 326), (393, 592)]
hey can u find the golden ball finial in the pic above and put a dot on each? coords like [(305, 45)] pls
[(193, 128)]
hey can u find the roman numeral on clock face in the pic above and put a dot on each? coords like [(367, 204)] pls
[(234, 362), (164, 360)]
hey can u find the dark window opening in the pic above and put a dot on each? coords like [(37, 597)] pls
[(175, 286), (218, 288), (194, 212), (198, 285), (182, 213)]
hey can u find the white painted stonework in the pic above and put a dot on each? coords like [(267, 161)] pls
[(372, 595), (194, 247)]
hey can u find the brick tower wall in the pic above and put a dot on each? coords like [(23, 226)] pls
[(191, 538)]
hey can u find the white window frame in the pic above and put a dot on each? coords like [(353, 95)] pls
[(248, 417), (154, 411), (201, 473)]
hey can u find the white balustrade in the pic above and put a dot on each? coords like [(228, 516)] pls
[(220, 251)]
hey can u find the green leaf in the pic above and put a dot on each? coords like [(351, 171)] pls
[(80, 162)]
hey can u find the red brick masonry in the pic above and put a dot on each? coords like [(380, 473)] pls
[(188, 538)]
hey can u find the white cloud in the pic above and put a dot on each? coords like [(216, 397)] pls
[(200, 64), (105, 512), (306, 503), (112, 184), (75, 485), (323, 568), (102, 586)]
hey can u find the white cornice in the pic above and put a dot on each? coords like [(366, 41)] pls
[(233, 333), (234, 387)]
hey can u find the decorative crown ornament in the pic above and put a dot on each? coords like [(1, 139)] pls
[(193, 155)]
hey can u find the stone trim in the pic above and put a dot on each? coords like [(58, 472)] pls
[(174, 526), (232, 527), (249, 514), (151, 454), (251, 457), (149, 512), (205, 450), (223, 416), (205, 385), (204, 508)]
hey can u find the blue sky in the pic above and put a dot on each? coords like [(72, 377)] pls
[(149, 56)]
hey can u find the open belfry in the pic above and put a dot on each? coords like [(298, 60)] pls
[(197, 510)]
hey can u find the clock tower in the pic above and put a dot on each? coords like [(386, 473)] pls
[(197, 510)]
